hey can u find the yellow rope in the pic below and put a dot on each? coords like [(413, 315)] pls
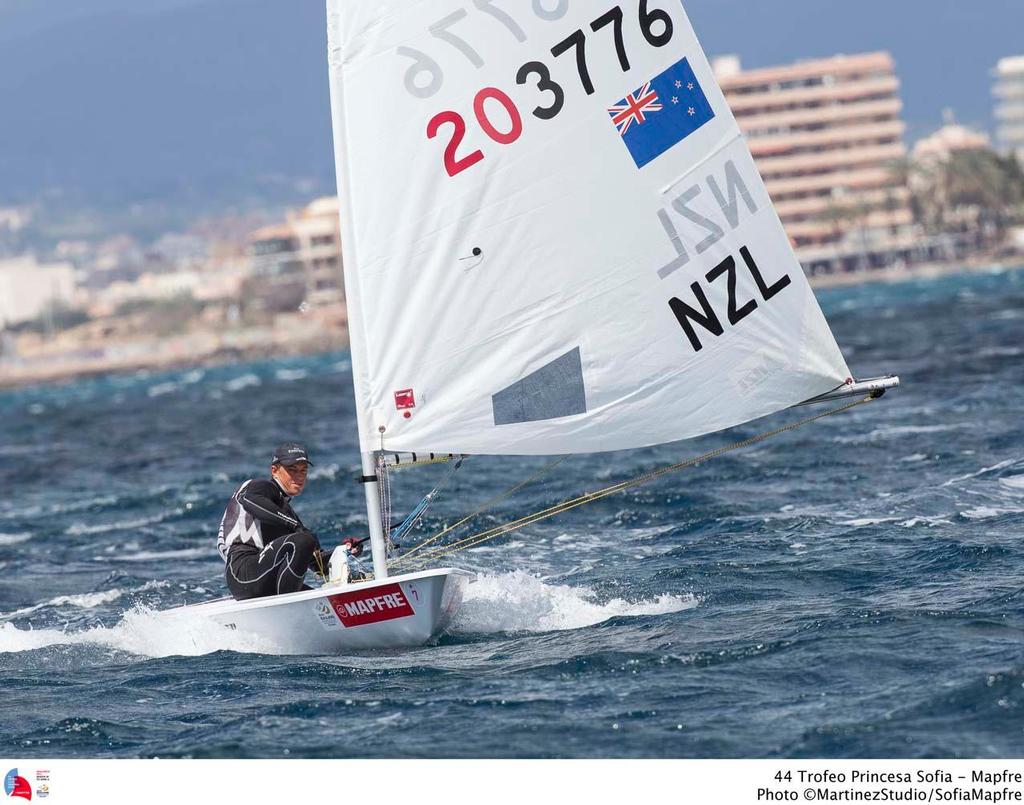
[(590, 497), (539, 474)]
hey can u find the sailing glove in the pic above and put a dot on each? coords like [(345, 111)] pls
[(355, 546)]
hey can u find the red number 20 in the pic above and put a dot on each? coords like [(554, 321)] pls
[(452, 163)]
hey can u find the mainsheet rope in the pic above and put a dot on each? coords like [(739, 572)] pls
[(567, 505)]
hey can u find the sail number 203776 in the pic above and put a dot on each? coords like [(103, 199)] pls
[(655, 25)]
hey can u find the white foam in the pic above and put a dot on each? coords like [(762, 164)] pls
[(928, 521), (14, 539), (243, 382), (866, 521), (84, 600), (162, 388), (519, 602), (145, 556), (987, 512), (79, 529), (289, 375), (143, 632), (1014, 481), (894, 432), (1000, 466)]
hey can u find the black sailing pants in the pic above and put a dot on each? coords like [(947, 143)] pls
[(278, 568)]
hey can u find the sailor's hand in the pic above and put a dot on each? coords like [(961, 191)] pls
[(355, 546)]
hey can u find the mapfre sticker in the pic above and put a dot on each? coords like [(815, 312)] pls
[(371, 606)]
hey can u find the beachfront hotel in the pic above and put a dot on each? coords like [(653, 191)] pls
[(825, 135), (1009, 94), (303, 254)]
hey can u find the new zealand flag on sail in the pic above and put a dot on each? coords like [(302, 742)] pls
[(663, 112)]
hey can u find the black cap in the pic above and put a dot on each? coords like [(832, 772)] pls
[(290, 453)]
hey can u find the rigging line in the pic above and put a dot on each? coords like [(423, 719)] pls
[(484, 507), (421, 507), (590, 497)]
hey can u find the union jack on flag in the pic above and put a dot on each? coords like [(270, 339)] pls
[(634, 108)]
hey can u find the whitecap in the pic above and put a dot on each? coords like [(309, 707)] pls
[(519, 602), (987, 512), (145, 556), (928, 521), (80, 529), (84, 600), (289, 375), (243, 382), (161, 389), (1000, 466), (1014, 481), (895, 432), (866, 521), (14, 539), (143, 632)]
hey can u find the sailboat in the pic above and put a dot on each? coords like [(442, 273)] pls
[(555, 242)]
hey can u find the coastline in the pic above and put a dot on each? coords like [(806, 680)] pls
[(924, 271), (206, 349)]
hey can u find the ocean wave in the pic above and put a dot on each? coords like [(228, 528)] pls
[(14, 539), (161, 389), (143, 632), (519, 602), (84, 600), (1002, 465), (243, 382), (896, 432), (145, 556), (989, 512), (81, 529), (290, 375)]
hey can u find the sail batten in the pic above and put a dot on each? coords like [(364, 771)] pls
[(547, 259)]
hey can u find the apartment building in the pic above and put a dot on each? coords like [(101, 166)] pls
[(826, 135), (29, 288), (1009, 95), (304, 253)]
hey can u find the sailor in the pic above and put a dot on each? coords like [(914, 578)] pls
[(263, 542)]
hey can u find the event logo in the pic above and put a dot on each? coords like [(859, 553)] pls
[(17, 786)]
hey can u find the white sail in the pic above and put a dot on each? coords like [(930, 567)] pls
[(555, 237)]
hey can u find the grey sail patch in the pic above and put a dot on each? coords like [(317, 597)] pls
[(553, 391)]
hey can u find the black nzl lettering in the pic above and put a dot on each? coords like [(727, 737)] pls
[(705, 317), (736, 314), (767, 293)]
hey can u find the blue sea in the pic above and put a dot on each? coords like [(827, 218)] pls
[(851, 589)]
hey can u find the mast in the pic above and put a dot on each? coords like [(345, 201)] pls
[(371, 488)]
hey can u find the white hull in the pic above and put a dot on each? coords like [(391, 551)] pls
[(399, 611)]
